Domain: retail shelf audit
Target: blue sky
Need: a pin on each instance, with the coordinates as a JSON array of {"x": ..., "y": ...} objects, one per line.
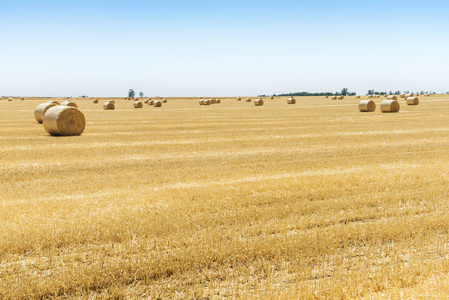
[{"x": 221, "y": 48}]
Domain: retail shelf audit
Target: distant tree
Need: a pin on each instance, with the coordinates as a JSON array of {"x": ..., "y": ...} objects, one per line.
[
  {"x": 141, "y": 94},
  {"x": 131, "y": 93},
  {"x": 370, "y": 92},
  {"x": 406, "y": 92},
  {"x": 397, "y": 92},
  {"x": 344, "y": 91}
]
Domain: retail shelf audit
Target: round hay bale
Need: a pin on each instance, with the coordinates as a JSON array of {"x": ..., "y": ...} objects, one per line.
[
  {"x": 150, "y": 102},
  {"x": 9, "y": 99},
  {"x": 357, "y": 97},
  {"x": 41, "y": 109},
  {"x": 412, "y": 101},
  {"x": 334, "y": 98},
  {"x": 157, "y": 103},
  {"x": 341, "y": 97},
  {"x": 109, "y": 106},
  {"x": 53, "y": 101},
  {"x": 206, "y": 102},
  {"x": 112, "y": 101},
  {"x": 291, "y": 100},
  {"x": 272, "y": 97},
  {"x": 69, "y": 103},
  {"x": 138, "y": 104},
  {"x": 239, "y": 99},
  {"x": 392, "y": 97},
  {"x": 327, "y": 96},
  {"x": 402, "y": 95},
  {"x": 213, "y": 101},
  {"x": 147, "y": 100},
  {"x": 258, "y": 102},
  {"x": 367, "y": 106},
  {"x": 218, "y": 101},
  {"x": 389, "y": 106},
  {"x": 164, "y": 100},
  {"x": 64, "y": 121},
  {"x": 201, "y": 101},
  {"x": 22, "y": 98},
  {"x": 248, "y": 100},
  {"x": 95, "y": 101}
]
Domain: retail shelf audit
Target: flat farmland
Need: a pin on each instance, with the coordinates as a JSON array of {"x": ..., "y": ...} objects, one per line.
[{"x": 312, "y": 200}]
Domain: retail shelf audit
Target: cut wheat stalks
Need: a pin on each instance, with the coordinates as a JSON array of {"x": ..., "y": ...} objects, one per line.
[
  {"x": 41, "y": 109},
  {"x": 389, "y": 106},
  {"x": 367, "y": 106},
  {"x": 412, "y": 101},
  {"x": 64, "y": 121}
]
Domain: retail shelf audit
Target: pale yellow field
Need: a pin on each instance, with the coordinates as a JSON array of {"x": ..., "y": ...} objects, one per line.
[{"x": 313, "y": 200}]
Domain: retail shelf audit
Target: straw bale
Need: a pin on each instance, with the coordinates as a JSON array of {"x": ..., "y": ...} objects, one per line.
[
  {"x": 138, "y": 104},
  {"x": 248, "y": 100},
  {"x": 392, "y": 97},
  {"x": 258, "y": 102},
  {"x": 157, "y": 103},
  {"x": 412, "y": 101},
  {"x": 95, "y": 101},
  {"x": 358, "y": 97},
  {"x": 164, "y": 100},
  {"x": 367, "y": 106},
  {"x": 108, "y": 105},
  {"x": 64, "y": 121},
  {"x": 389, "y": 106},
  {"x": 69, "y": 103},
  {"x": 291, "y": 100},
  {"x": 41, "y": 109},
  {"x": 206, "y": 102},
  {"x": 201, "y": 101},
  {"x": 341, "y": 97}
]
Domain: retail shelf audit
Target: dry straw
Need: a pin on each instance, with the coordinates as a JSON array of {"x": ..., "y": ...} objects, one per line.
[
  {"x": 164, "y": 100},
  {"x": 358, "y": 97},
  {"x": 157, "y": 103},
  {"x": 239, "y": 99},
  {"x": 206, "y": 102},
  {"x": 109, "y": 106},
  {"x": 150, "y": 102},
  {"x": 138, "y": 104},
  {"x": 41, "y": 109},
  {"x": 248, "y": 100},
  {"x": 22, "y": 98},
  {"x": 212, "y": 101},
  {"x": 218, "y": 101},
  {"x": 367, "y": 106},
  {"x": 258, "y": 102},
  {"x": 412, "y": 101},
  {"x": 95, "y": 101},
  {"x": 9, "y": 99},
  {"x": 53, "y": 101},
  {"x": 272, "y": 97},
  {"x": 389, "y": 106},
  {"x": 64, "y": 121},
  {"x": 392, "y": 97},
  {"x": 69, "y": 103},
  {"x": 291, "y": 100},
  {"x": 341, "y": 97},
  {"x": 327, "y": 96},
  {"x": 334, "y": 98},
  {"x": 201, "y": 101}
]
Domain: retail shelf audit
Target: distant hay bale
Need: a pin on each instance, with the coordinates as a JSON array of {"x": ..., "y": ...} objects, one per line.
[
  {"x": 291, "y": 100},
  {"x": 150, "y": 102},
  {"x": 109, "y": 106},
  {"x": 218, "y": 101},
  {"x": 408, "y": 95},
  {"x": 69, "y": 103},
  {"x": 206, "y": 102},
  {"x": 334, "y": 98},
  {"x": 95, "y": 101},
  {"x": 378, "y": 96},
  {"x": 387, "y": 106},
  {"x": 392, "y": 97},
  {"x": 367, "y": 106},
  {"x": 412, "y": 101},
  {"x": 41, "y": 109},
  {"x": 327, "y": 96},
  {"x": 341, "y": 97},
  {"x": 9, "y": 99},
  {"x": 212, "y": 101},
  {"x": 112, "y": 101},
  {"x": 64, "y": 121},
  {"x": 258, "y": 102},
  {"x": 164, "y": 100},
  {"x": 358, "y": 97},
  {"x": 147, "y": 100},
  {"x": 426, "y": 95},
  {"x": 370, "y": 96},
  {"x": 201, "y": 101},
  {"x": 138, "y": 104},
  {"x": 248, "y": 100},
  {"x": 157, "y": 103},
  {"x": 239, "y": 99},
  {"x": 272, "y": 97},
  {"x": 53, "y": 101},
  {"x": 22, "y": 98}
]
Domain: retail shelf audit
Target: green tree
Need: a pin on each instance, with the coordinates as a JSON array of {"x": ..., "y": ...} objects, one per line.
[
  {"x": 131, "y": 93},
  {"x": 141, "y": 94},
  {"x": 344, "y": 91}
]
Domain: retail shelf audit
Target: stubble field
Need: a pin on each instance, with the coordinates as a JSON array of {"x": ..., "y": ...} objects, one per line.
[{"x": 313, "y": 200}]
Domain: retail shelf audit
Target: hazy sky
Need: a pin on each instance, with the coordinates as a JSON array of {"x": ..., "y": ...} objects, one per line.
[{"x": 221, "y": 48}]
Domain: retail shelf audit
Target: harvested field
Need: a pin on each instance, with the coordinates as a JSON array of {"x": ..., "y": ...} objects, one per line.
[{"x": 305, "y": 201}]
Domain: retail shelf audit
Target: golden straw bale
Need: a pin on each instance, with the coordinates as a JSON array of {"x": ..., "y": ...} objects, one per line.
[
  {"x": 69, "y": 103},
  {"x": 412, "y": 101},
  {"x": 95, "y": 101},
  {"x": 218, "y": 101},
  {"x": 201, "y": 101},
  {"x": 239, "y": 99},
  {"x": 341, "y": 97},
  {"x": 10, "y": 99},
  {"x": 291, "y": 100},
  {"x": 248, "y": 100},
  {"x": 327, "y": 96},
  {"x": 53, "y": 101},
  {"x": 367, "y": 106},
  {"x": 358, "y": 97},
  {"x": 389, "y": 106},
  {"x": 109, "y": 105},
  {"x": 272, "y": 97},
  {"x": 392, "y": 97},
  {"x": 41, "y": 109},
  {"x": 258, "y": 102},
  {"x": 164, "y": 100},
  {"x": 157, "y": 103},
  {"x": 150, "y": 102},
  {"x": 206, "y": 102},
  {"x": 212, "y": 101},
  {"x": 334, "y": 98},
  {"x": 22, "y": 98},
  {"x": 112, "y": 101},
  {"x": 138, "y": 104},
  {"x": 64, "y": 120}
]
